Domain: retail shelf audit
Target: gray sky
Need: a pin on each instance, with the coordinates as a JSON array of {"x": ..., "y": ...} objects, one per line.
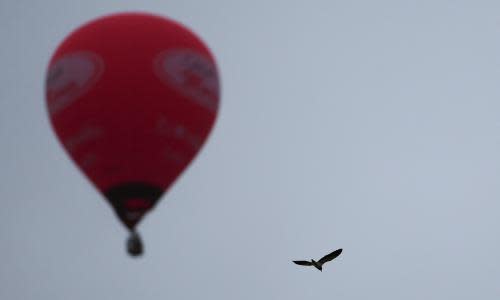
[{"x": 368, "y": 125}]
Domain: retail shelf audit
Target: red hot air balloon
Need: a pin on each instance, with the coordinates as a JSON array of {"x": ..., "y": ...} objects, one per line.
[{"x": 132, "y": 97}]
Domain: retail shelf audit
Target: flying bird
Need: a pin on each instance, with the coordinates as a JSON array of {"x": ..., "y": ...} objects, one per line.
[{"x": 319, "y": 264}]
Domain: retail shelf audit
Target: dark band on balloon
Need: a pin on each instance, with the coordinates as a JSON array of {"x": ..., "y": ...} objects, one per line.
[{"x": 142, "y": 196}]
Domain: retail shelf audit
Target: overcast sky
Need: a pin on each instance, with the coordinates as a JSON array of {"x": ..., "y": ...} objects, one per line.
[{"x": 372, "y": 126}]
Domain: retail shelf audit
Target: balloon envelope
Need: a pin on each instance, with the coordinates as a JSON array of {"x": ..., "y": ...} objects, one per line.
[{"x": 132, "y": 97}]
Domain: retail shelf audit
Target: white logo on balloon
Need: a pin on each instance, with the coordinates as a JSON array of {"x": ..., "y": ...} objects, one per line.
[
  {"x": 71, "y": 76},
  {"x": 190, "y": 73}
]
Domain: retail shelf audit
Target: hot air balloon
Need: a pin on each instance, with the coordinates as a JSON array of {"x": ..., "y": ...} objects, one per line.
[{"x": 132, "y": 97}]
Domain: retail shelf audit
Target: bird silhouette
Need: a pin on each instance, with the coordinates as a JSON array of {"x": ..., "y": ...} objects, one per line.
[{"x": 319, "y": 264}]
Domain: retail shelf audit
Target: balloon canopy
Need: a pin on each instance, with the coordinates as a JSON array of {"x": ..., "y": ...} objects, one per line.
[{"x": 132, "y": 97}]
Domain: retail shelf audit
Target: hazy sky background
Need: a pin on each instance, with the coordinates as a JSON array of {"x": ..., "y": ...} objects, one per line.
[{"x": 368, "y": 125}]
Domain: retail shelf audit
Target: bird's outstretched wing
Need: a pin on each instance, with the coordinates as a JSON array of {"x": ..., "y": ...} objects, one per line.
[
  {"x": 303, "y": 262},
  {"x": 330, "y": 256}
]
